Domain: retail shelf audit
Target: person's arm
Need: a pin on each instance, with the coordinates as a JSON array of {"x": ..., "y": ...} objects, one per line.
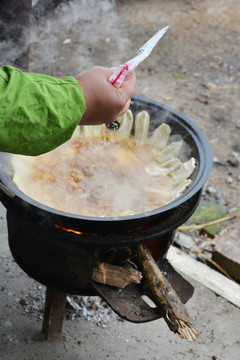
[{"x": 37, "y": 112}]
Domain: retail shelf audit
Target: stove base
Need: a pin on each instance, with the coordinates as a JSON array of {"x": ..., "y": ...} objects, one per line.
[{"x": 128, "y": 302}]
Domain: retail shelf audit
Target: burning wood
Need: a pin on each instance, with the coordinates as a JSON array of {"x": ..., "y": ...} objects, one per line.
[
  {"x": 115, "y": 275},
  {"x": 165, "y": 297}
]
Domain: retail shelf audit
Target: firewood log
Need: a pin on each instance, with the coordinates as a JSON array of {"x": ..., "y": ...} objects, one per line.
[
  {"x": 165, "y": 298},
  {"x": 113, "y": 275}
]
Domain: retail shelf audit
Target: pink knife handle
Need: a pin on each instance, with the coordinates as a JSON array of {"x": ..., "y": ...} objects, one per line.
[{"x": 118, "y": 77}]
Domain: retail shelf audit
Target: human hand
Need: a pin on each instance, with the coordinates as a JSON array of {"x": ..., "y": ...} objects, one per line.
[{"x": 105, "y": 103}]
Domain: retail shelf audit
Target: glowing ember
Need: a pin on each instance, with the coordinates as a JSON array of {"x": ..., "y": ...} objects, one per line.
[{"x": 70, "y": 230}]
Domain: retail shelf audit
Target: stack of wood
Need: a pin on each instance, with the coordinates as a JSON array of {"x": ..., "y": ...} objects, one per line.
[{"x": 158, "y": 288}]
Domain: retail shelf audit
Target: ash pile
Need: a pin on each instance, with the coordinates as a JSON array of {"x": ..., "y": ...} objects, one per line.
[{"x": 90, "y": 308}]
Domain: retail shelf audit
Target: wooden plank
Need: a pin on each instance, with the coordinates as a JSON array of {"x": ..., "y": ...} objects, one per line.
[
  {"x": 54, "y": 314},
  {"x": 227, "y": 250},
  {"x": 202, "y": 273}
]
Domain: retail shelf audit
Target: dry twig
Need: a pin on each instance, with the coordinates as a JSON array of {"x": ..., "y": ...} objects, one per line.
[{"x": 165, "y": 297}]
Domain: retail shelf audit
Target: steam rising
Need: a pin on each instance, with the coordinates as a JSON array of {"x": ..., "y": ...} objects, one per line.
[{"x": 85, "y": 32}]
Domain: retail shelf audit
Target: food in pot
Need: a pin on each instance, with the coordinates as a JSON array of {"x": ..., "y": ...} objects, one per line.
[{"x": 105, "y": 173}]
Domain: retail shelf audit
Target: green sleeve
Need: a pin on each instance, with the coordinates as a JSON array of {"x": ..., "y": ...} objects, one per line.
[{"x": 37, "y": 112}]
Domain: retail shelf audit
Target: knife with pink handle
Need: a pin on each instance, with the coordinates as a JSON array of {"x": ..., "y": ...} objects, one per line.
[{"x": 122, "y": 71}]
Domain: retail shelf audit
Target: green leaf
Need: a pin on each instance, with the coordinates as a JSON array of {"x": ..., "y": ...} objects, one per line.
[
  {"x": 208, "y": 211},
  {"x": 180, "y": 74}
]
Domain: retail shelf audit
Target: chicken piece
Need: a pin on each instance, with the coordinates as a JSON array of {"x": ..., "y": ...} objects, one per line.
[
  {"x": 142, "y": 120},
  {"x": 125, "y": 128},
  {"x": 183, "y": 172},
  {"x": 168, "y": 153},
  {"x": 160, "y": 136},
  {"x": 94, "y": 131},
  {"x": 163, "y": 169}
]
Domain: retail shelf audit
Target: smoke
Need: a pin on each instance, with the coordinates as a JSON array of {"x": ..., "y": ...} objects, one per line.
[
  {"x": 9, "y": 52},
  {"x": 68, "y": 36},
  {"x": 77, "y": 36},
  {"x": 14, "y": 32}
]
